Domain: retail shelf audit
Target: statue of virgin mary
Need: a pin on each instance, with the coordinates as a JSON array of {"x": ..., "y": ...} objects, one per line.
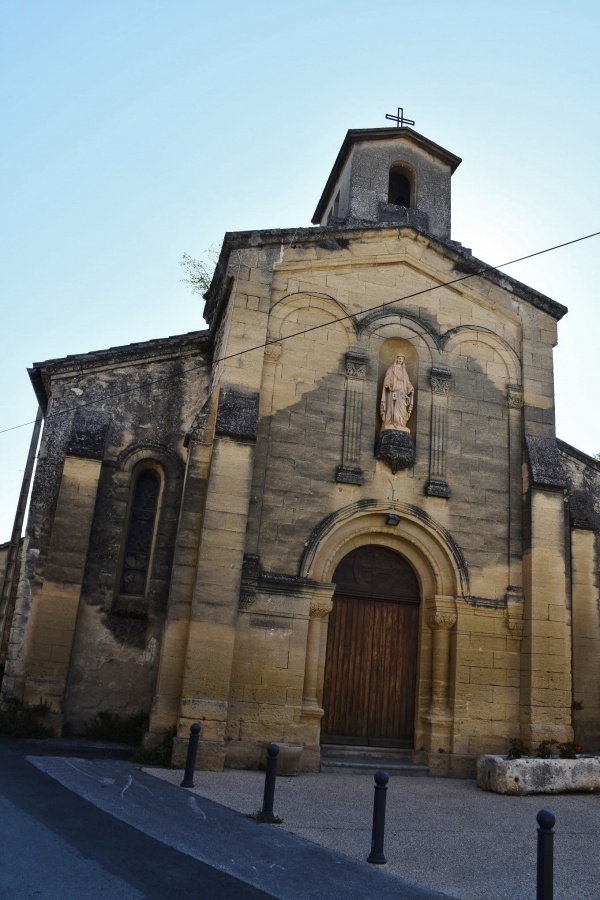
[{"x": 397, "y": 397}]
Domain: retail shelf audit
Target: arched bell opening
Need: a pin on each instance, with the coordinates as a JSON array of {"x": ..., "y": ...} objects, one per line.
[
  {"x": 401, "y": 186},
  {"x": 370, "y": 682}
]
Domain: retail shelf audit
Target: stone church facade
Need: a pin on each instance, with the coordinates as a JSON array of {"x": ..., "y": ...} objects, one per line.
[{"x": 339, "y": 515}]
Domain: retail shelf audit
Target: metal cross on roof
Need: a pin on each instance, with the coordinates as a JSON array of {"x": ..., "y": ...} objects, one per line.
[{"x": 399, "y": 119}]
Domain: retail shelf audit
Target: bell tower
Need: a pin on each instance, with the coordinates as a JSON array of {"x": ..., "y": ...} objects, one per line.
[{"x": 389, "y": 176}]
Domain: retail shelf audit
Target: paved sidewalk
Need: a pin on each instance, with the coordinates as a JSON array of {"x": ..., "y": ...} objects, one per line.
[{"x": 444, "y": 834}]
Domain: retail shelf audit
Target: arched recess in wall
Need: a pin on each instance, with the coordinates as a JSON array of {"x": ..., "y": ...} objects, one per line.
[
  {"x": 295, "y": 309},
  {"x": 314, "y": 343},
  {"x": 453, "y": 339},
  {"x": 485, "y": 440},
  {"x": 435, "y": 558},
  {"x": 150, "y": 480}
]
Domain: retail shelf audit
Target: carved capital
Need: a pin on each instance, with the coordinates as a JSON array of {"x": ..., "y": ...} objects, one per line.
[
  {"x": 514, "y": 396},
  {"x": 441, "y": 621},
  {"x": 320, "y": 608},
  {"x": 440, "y": 381},
  {"x": 441, "y": 613},
  {"x": 356, "y": 365},
  {"x": 272, "y": 352}
]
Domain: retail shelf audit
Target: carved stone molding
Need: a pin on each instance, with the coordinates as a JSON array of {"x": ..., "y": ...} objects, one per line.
[
  {"x": 348, "y": 475},
  {"x": 396, "y": 449},
  {"x": 514, "y": 396},
  {"x": 437, "y": 488}
]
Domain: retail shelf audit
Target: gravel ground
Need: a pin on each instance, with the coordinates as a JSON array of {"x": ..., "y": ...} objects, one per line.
[{"x": 445, "y": 834}]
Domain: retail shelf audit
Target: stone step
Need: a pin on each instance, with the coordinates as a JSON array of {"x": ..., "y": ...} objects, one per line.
[
  {"x": 343, "y": 766},
  {"x": 351, "y": 751}
]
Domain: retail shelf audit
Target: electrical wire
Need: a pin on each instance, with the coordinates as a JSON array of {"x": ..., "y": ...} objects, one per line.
[{"x": 481, "y": 270}]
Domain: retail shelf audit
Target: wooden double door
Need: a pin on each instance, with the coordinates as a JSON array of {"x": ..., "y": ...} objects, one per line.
[{"x": 371, "y": 662}]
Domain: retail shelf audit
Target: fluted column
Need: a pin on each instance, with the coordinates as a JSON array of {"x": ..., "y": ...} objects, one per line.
[
  {"x": 356, "y": 369},
  {"x": 437, "y": 485}
]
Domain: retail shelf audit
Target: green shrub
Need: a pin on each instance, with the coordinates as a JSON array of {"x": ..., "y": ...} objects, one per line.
[
  {"x": 159, "y": 755},
  {"x": 20, "y": 720},
  {"x": 518, "y": 748},
  {"x": 545, "y": 749}
]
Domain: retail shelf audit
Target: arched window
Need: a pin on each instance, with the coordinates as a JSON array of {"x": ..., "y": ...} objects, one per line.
[
  {"x": 400, "y": 186},
  {"x": 139, "y": 540}
]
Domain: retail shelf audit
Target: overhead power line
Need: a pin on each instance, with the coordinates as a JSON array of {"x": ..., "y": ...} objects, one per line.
[{"x": 480, "y": 270}]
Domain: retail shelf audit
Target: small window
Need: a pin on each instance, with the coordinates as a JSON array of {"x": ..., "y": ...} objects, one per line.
[{"x": 399, "y": 190}]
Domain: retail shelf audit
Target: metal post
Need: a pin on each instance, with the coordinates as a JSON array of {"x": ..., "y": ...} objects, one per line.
[
  {"x": 190, "y": 762},
  {"x": 545, "y": 855},
  {"x": 376, "y": 855},
  {"x": 269, "y": 794}
]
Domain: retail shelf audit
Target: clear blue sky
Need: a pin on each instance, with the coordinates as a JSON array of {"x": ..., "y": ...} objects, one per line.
[{"x": 136, "y": 131}]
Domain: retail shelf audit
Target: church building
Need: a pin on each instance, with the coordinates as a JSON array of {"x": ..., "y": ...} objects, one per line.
[{"x": 338, "y": 517}]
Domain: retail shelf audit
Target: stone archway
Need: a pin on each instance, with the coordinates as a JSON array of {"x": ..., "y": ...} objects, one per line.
[
  {"x": 371, "y": 663},
  {"x": 442, "y": 575}
]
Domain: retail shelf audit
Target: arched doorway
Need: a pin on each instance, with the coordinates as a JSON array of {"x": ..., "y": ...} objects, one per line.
[{"x": 371, "y": 661}]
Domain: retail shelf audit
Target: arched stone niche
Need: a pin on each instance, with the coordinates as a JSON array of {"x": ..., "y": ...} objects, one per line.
[{"x": 397, "y": 448}]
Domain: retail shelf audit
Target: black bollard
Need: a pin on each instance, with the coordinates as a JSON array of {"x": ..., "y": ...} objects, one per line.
[
  {"x": 190, "y": 762},
  {"x": 545, "y": 855},
  {"x": 376, "y": 855},
  {"x": 269, "y": 794}
]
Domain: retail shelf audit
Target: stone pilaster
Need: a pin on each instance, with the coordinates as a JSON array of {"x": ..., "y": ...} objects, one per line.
[
  {"x": 437, "y": 485},
  {"x": 214, "y": 608},
  {"x": 356, "y": 369},
  {"x": 545, "y": 649},
  {"x": 514, "y": 402}
]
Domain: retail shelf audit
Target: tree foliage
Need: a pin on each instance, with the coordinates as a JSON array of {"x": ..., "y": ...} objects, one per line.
[{"x": 199, "y": 272}]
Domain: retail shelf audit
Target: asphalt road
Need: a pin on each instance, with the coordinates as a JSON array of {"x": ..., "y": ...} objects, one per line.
[{"x": 55, "y": 844}]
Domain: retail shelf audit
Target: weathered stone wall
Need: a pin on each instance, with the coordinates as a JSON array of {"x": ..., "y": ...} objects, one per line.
[{"x": 102, "y": 657}]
